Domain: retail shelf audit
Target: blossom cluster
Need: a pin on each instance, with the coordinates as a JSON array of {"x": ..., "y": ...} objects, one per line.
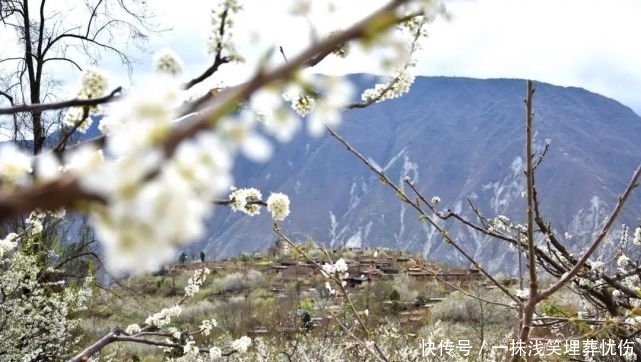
[
  {"x": 221, "y": 34},
  {"x": 338, "y": 269},
  {"x": 195, "y": 282},
  {"x": 331, "y": 95},
  {"x": 241, "y": 344},
  {"x": 163, "y": 317},
  {"x": 398, "y": 85},
  {"x": 249, "y": 201},
  {"x": 207, "y": 325},
  {"x": 93, "y": 84},
  {"x": 278, "y": 205},
  {"x": 38, "y": 317},
  {"x": 246, "y": 200},
  {"x": 168, "y": 62},
  {"x": 15, "y": 165},
  {"x": 8, "y": 243}
]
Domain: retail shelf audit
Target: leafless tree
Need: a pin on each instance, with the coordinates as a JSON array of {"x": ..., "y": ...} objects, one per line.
[{"x": 50, "y": 34}]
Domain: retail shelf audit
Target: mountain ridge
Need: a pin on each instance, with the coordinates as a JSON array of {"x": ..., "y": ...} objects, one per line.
[{"x": 456, "y": 137}]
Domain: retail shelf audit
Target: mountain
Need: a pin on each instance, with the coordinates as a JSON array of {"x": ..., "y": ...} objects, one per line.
[{"x": 457, "y": 138}]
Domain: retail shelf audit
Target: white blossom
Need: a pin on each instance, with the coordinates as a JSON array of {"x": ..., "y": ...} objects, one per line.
[
  {"x": 335, "y": 93},
  {"x": 222, "y": 41},
  {"x": 143, "y": 118},
  {"x": 15, "y": 165},
  {"x": 282, "y": 123},
  {"x": 522, "y": 293},
  {"x": 244, "y": 200},
  {"x": 301, "y": 102},
  {"x": 175, "y": 332},
  {"x": 34, "y": 222},
  {"x": 207, "y": 325},
  {"x": 163, "y": 317},
  {"x": 215, "y": 353},
  {"x": 93, "y": 84},
  {"x": 623, "y": 260},
  {"x": 329, "y": 288},
  {"x": 637, "y": 236},
  {"x": 168, "y": 62},
  {"x": 196, "y": 281},
  {"x": 133, "y": 329},
  {"x": 204, "y": 163},
  {"x": 240, "y": 133},
  {"x": 398, "y": 85},
  {"x": 338, "y": 269},
  {"x": 190, "y": 348},
  {"x": 48, "y": 168},
  {"x": 242, "y": 344},
  {"x": 8, "y": 243},
  {"x": 340, "y": 266},
  {"x": 597, "y": 266},
  {"x": 278, "y": 205}
]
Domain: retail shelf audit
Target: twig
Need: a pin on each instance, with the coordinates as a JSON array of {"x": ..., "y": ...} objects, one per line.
[
  {"x": 401, "y": 194},
  {"x": 634, "y": 182}
]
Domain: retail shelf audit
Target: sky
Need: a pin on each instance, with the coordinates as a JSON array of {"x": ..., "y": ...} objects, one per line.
[
  {"x": 591, "y": 44},
  {"x": 584, "y": 43}
]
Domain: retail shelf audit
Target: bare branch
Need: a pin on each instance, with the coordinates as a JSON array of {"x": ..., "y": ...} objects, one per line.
[
  {"x": 423, "y": 215},
  {"x": 7, "y": 96},
  {"x": 63, "y": 59},
  {"x": 634, "y": 182},
  {"x": 118, "y": 335},
  {"x": 77, "y": 102}
]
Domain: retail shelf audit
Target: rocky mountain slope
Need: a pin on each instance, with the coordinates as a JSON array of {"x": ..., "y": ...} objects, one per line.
[{"x": 458, "y": 138}]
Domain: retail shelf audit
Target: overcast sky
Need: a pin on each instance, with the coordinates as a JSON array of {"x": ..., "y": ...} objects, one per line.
[{"x": 591, "y": 44}]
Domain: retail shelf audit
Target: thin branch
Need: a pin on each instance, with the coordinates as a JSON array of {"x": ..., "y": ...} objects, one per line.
[
  {"x": 77, "y": 102},
  {"x": 64, "y": 60},
  {"x": 9, "y": 59},
  {"x": 118, "y": 335},
  {"x": 8, "y": 96},
  {"x": 218, "y": 60},
  {"x": 634, "y": 182},
  {"x": 401, "y": 194}
]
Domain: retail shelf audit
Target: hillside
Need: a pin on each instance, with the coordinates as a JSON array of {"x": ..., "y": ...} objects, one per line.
[{"x": 457, "y": 138}]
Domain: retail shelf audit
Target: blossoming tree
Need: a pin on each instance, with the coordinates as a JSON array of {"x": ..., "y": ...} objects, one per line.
[{"x": 165, "y": 157}]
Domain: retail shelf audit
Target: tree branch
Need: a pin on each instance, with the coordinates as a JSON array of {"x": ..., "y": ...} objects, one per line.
[
  {"x": 634, "y": 182},
  {"x": 77, "y": 102},
  {"x": 218, "y": 60}
]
